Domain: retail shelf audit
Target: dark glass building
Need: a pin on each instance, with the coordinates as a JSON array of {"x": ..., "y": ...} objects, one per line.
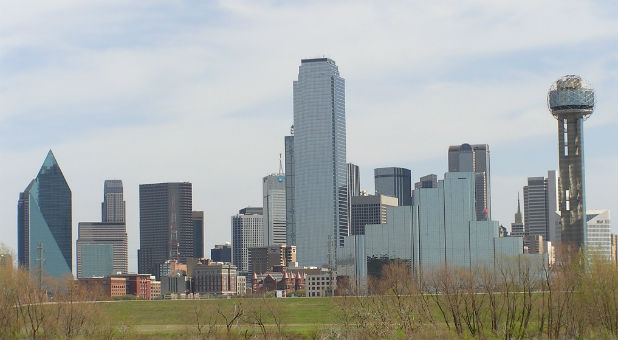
[
  {"x": 44, "y": 222},
  {"x": 198, "y": 234},
  {"x": 221, "y": 253},
  {"x": 394, "y": 182},
  {"x": 166, "y": 225}
]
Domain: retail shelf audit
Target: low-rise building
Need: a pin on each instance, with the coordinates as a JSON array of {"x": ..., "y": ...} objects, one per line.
[
  {"x": 155, "y": 288},
  {"x": 263, "y": 259},
  {"x": 323, "y": 284},
  {"x": 214, "y": 278},
  {"x": 241, "y": 285}
]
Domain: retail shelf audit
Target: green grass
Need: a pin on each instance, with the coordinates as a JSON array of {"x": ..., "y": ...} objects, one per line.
[{"x": 298, "y": 311}]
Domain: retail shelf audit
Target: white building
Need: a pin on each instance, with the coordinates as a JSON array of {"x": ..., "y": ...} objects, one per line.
[
  {"x": 598, "y": 240},
  {"x": 247, "y": 232},
  {"x": 274, "y": 209},
  {"x": 321, "y": 284}
]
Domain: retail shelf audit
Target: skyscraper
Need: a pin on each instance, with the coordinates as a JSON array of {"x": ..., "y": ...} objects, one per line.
[
  {"x": 166, "y": 225},
  {"x": 571, "y": 100},
  {"x": 198, "y": 234},
  {"x": 44, "y": 222},
  {"x": 247, "y": 232},
  {"x": 221, "y": 253},
  {"x": 321, "y": 198},
  {"x": 540, "y": 205},
  {"x": 599, "y": 241},
  {"x": 370, "y": 209},
  {"x": 353, "y": 189},
  {"x": 394, "y": 182},
  {"x": 113, "y": 206},
  {"x": 290, "y": 225},
  {"x": 474, "y": 158},
  {"x": 101, "y": 249},
  {"x": 274, "y": 209}
]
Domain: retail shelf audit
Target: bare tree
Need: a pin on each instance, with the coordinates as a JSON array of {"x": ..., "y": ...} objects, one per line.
[{"x": 230, "y": 314}]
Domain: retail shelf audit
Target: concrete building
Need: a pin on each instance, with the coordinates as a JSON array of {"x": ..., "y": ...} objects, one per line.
[
  {"x": 155, "y": 288},
  {"x": 289, "y": 189},
  {"x": 241, "y": 285},
  {"x": 599, "y": 240},
  {"x": 273, "y": 194},
  {"x": 44, "y": 223},
  {"x": 101, "y": 249},
  {"x": 614, "y": 248},
  {"x": 221, "y": 253},
  {"x": 247, "y": 232},
  {"x": 428, "y": 181},
  {"x": 571, "y": 101},
  {"x": 322, "y": 284},
  {"x": 166, "y": 225},
  {"x": 394, "y": 182},
  {"x": 175, "y": 283},
  {"x": 214, "y": 278},
  {"x": 263, "y": 259},
  {"x": 198, "y": 233},
  {"x": 113, "y": 206},
  {"x": 370, "y": 209},
  {"x": 320, "y": 194},
  {"x": 474, "y": 158}
]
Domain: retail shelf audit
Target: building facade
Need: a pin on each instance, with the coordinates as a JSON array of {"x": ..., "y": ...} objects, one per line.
[
  {"x": 394, "y": 182},
  {"x": 113, "y": 206},
  {"x": 540, "y": 204},
  {"x": 370, "y": 209},
  {"x": 166, "y": 225},
  {"x": 44, "y": 219},
  {"x": 474, "y": 158},
  {"x": 102, "y": 249},
  {"x": 214, "y": 278},
  {"x": 321, "y": 199},
  {"x": 263, "y": 259},
  {"x": 599, "y": 241},
  {"x": 221, "y": 253},
  {"x": 290, "y": 225},
  {"x": 247, "y": 232},
  {"x": 198, "y": 233},
  {"x": 273, "y": 194}
]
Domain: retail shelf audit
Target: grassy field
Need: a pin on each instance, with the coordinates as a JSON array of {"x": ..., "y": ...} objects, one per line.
[{"x": 176, "y": 318}]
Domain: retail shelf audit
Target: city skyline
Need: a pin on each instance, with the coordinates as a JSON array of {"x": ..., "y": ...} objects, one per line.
[{"x": 415, "y": 89}]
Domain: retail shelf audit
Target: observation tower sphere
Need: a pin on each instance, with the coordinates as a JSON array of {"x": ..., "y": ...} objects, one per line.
[{"x": 571, "y": 101}]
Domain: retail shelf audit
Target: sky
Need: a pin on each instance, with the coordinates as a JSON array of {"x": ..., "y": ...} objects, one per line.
[{"x": 201, "y": 91}]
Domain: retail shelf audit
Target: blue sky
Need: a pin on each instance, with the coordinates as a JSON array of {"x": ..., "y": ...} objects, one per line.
[{"x": 201, "y": 91}]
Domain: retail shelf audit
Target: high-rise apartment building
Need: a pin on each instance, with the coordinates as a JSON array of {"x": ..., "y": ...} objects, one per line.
[
  {"x": 474, "y": 158},
  {"x": 44, "y": 218},
  {"x": 101, "y": 249},
  {"x": 221, "y": 253},
  {"x": 321, "y": 197},
  {"x": 540, "y": 206},
  {"x": 166, "y": 225},
  {"x": 571, "y": 101},
  {"x": 247, "y": 232},
  {"x": 394, "y": 182},
  {"x": 370, "y": 209},
  {"x": 599, "y": 241},
  {"x": 290, "y": 225},
  {"x": 113, "y": 206},
  {"x": 273, "y": 195},
  {"x": 198, "y": 234}
]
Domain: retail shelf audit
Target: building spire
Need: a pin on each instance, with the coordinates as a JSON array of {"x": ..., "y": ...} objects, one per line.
[{"x": 518, "y": 218}]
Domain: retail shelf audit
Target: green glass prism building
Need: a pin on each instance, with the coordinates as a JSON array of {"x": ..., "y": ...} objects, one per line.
[{"x": 44, "y": 222}]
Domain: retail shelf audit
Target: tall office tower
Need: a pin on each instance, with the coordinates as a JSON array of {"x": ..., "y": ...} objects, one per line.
[
  {"x": 428, "y": 181},
  {"x": 290, "y": 225},
  {"x": 321, "y": 196},
  {"x": 198, "y": 234},
  {"x": 599, "y": 236},
  {"x": 570, "y": 101},
  {"x": 353, "y": 189},
  {"x": 517, "y": 228},
  {"x": 165, "y": 225},
  {"x": 221, "y": 253},
  {"x": 247, "y": 232},
  {"x": 394, "y": 182},
  {"x": 474, "y": 158},
  {"x": 370, "y": 209},
  {"x": 274, "y": 208},
  {"x": 113, "y": 206},
  {"x": 101, "y": 249},
  {"x": 44, "y": 222}
]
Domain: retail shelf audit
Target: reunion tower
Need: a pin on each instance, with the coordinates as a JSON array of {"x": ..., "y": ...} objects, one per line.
[{"x": 571, "y": 101}]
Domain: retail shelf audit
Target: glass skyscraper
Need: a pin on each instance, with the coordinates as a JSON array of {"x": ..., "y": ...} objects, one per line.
[
  {"x": 113, "y": 206},
  {"x": 44, "y": 222},
  {"x": 321, "y": 195},
  {"x": 394, "y": 182},
  {"x": 274, "y": 209}
]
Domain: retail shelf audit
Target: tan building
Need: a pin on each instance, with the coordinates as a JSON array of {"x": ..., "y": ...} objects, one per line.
[
  {"x": 214, "y": 278},
  {"x": 614, "y": 240},
  {"x": 369, "y": 209},
  {"x": 321, "y": 284},
  {"x": 263, "y": 259},
  {"x": 155, "y": 288},
  {"x": 241, "y": 285}
]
